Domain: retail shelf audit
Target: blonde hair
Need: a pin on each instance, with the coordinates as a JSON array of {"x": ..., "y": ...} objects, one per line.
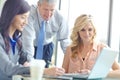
[{"x": 79, "y": 24}]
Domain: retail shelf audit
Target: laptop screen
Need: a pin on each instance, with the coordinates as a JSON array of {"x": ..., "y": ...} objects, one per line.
[{"x": 103, "y": 63}]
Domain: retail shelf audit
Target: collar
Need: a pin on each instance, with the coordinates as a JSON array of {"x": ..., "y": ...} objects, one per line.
[{"x": 40, "y": 17}]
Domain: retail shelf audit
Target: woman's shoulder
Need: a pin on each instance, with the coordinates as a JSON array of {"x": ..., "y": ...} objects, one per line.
[
  {"x": 102, "y": 44},
  {"x": 68, "y": 49},
  {"x": 98, "y": 45}
]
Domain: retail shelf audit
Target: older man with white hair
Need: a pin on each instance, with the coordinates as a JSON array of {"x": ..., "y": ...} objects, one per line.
[{"x": 40, "y": 45}]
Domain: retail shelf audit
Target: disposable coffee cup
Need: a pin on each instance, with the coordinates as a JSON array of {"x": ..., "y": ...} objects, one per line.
[
  {"x": 16, "y": 77},
  {"x": 36, "y": 69}
]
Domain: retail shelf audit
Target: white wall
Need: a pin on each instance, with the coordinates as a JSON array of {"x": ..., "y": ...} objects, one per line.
[{"x": 115, "y": 37}]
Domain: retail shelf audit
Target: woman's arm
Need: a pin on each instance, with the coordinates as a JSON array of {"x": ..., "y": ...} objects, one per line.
[{"x": 115, "y": 72}]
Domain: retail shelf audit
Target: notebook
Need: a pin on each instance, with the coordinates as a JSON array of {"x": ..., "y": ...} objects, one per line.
[{"x": 102, "y": 65}]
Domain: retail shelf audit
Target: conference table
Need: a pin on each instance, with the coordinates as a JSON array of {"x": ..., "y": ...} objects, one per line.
[{"x": 19, "y": 77}]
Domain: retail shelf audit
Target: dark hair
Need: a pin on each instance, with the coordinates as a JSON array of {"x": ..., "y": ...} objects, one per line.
[{"x": 10, "y": 9}]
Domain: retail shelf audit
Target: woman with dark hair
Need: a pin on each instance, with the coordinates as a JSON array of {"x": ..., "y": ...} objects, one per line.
[{"x": 13, "y": 59}]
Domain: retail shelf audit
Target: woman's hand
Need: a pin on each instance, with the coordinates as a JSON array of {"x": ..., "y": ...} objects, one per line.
[
  {"x": 84, "y": 71},
  {"x": 54, "y": 71},
  {"x": 114, "y": 74}
]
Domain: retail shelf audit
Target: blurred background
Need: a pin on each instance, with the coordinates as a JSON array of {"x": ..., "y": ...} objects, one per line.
[{"x": 106, "y": 15}]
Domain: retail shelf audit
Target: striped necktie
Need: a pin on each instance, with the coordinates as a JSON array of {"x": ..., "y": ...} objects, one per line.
[{"x": 39, "y": 54}]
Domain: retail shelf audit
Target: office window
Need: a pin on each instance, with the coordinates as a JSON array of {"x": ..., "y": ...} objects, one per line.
[{"x": 115, "y": 32}]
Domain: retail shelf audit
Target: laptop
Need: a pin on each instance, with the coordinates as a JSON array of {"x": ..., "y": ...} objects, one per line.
[{"x": 101, "y": 68}]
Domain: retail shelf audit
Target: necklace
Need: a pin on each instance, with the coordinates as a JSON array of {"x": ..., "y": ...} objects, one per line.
[
  {"x": 84, "y": 53},
  {"x": 83, "y": 59}
]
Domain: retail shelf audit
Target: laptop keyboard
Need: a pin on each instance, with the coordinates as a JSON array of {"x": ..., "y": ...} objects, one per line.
[{"x": 79, "y": 75}]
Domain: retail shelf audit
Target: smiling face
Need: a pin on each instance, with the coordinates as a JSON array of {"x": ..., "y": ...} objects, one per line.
[
  {"x": 87, "y": 33},
  {"x": 19, "y": 21},
  {"x": 46, "y": 9},
  {"x": 84, "y": 30}
]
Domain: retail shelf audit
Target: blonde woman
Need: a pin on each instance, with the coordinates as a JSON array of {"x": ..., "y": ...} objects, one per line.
[{"x": 82, "y": 53}]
